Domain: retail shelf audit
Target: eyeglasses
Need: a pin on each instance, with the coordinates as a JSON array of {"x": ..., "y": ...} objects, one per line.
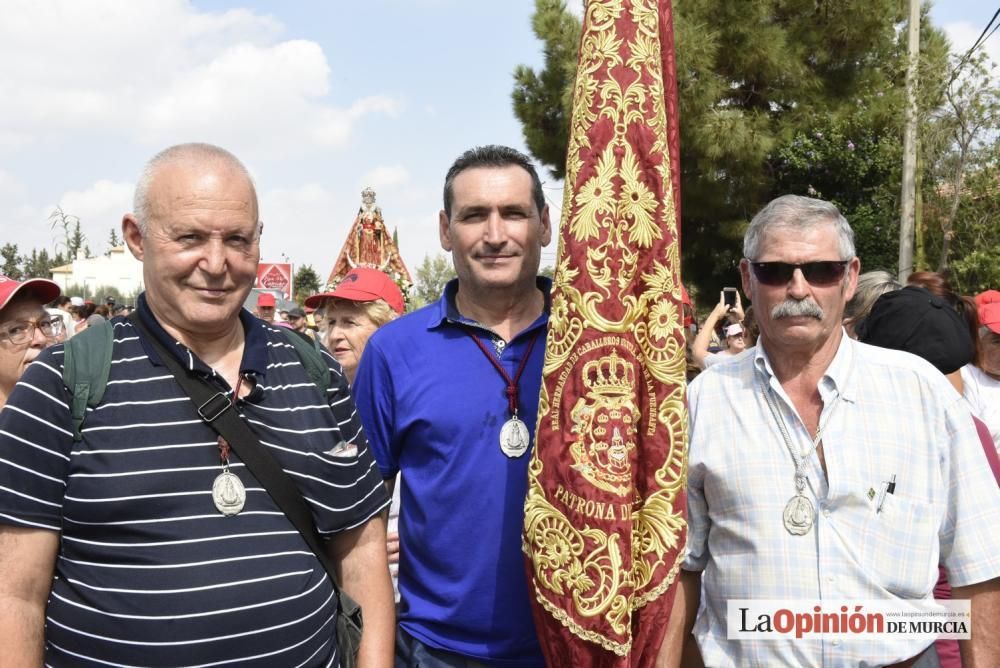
[
  {"x": 22, "y": 332},
  {"x": 821, "y": 272}
]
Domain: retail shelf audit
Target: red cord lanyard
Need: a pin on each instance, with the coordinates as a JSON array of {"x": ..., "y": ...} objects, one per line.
[
  {"x": 223, "y": 443},
  {"x": 511, "y": 382}
]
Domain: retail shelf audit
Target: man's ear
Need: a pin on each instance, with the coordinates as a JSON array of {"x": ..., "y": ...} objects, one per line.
[
  {"x": 443, "y": 231},
  {"x": 546, "y": 236},
  {"x": 133, "y": 236},
  {"x": 745, "y": 277},
  {"x": 851, "y": 284}
]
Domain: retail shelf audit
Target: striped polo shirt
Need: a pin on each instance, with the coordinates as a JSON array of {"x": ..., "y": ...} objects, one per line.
[{"x": 149, "y": 572}]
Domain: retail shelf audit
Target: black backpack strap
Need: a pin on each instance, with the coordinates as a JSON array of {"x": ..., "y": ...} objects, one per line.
[{"x": 86, "y": 367}]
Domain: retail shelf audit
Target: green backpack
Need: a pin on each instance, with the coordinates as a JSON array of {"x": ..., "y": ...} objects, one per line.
[{"x": 87, "y": 365}]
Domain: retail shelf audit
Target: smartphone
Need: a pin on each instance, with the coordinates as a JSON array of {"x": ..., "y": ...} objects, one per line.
[{"x": 729, "y": 296}]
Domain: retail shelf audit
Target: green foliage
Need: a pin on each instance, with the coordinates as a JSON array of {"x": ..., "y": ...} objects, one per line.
[
  {"x": 975, "y": 240},
  {"x": 962, "y": 179},
  {"x": 113, "y": 241},
  {"x": 38, "y": 264},
  {"x": 855, "y": 164},
  {"x": 756, "y": 81},
  {"x": 69, "y": 235},
  {"x": 98, "y": 293},
  {"x": 542, "y": 100},
  {"x": 11, "y": 262},
  {"x": 432, "y": 275},
  {"x": 305, "y": 283}
]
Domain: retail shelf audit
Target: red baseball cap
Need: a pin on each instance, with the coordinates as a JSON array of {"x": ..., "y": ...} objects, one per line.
[
  {"x": 989, "y": 309},
  {"x": 44, "y": 289},
  {"x": 265, "y": 299},
  {"x": 363, "y": 285}
]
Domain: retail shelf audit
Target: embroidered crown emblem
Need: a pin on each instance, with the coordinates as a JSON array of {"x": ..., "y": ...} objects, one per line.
[{"x": 609, "y": 376}]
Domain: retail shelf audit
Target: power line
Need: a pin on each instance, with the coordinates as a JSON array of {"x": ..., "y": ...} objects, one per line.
[{"x": 978, "y": 43}]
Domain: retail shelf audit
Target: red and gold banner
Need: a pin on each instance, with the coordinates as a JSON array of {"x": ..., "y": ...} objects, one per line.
[{"x": 605, "y": 515}]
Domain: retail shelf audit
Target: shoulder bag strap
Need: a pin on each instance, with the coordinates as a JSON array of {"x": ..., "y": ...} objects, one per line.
[{"x": 215, "y": 408}]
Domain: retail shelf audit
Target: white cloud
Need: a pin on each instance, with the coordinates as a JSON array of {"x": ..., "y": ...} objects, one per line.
[
  {"x": 10, "y": 186},
  {"x": 385, "y": 176},
  {"x": 304, "y": 223},
  {"x": 963, "y": 34},
  {"x": 162, "y": 72},
  {"x": 104, "y": 203},
  {"x": 99, "y": 207}
]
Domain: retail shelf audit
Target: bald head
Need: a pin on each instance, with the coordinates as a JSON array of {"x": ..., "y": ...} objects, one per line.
[{"x": 178, "y": 156}]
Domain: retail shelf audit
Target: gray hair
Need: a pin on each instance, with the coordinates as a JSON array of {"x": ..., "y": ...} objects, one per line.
[
  {"x": 492, "y": 155},
  {"x": 795, "y": 211},
  {"x": 871, "y": 286},
  {"x": 192, "y": 152},
  {"x": 376, "y": 310}
]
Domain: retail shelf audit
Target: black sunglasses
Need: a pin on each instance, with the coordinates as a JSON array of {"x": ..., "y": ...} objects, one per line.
[{"x": 821, "y": 272}]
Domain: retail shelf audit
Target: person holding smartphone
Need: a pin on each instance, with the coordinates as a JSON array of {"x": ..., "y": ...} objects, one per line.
[{"x": 730, "y": 309}]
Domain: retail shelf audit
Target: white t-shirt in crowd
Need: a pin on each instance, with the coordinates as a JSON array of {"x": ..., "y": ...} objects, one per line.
[{"x": 982, "y": 392}]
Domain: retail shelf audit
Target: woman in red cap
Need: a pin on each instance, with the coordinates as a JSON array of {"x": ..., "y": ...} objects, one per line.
[
  {"x": 361, "y": 303},
  {"x": 26, "y": 328}
]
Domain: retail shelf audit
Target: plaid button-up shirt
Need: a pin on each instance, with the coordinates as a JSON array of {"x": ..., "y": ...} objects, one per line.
[{"x": 897, "y": 416}]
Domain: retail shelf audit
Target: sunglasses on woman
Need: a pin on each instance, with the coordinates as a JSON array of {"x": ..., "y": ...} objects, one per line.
[{"x": 821, "y": 272}]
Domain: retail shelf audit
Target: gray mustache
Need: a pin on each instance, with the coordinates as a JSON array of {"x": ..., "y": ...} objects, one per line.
[{"x": 791, "y": 308}]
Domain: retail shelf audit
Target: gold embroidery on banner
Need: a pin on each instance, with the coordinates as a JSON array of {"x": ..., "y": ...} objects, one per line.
[
  {"x": 620, "y": 204},
  {"x": 604, "y": 422}
]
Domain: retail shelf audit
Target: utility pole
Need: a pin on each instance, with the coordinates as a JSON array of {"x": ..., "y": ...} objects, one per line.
[{"x": 906, "y": 223}]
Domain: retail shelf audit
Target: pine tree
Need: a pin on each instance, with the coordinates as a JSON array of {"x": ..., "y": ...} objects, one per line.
[
  {"x": 755, "y": 80},
  {"x": 305, "y": 283},
  {"x": 113, "y": 242},
  {"x": 38, "y": 264},
  {"x": 542, "y": 99},
  {"x": 11, "y": 262}
]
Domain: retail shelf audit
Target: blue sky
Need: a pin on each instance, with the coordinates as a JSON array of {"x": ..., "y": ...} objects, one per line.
[{"x": 319, "y": 99}]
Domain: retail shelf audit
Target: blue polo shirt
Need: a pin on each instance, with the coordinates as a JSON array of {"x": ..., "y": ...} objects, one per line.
[
  {"x": 432, "y": 406},
  {"x": 149, "y": 572}
]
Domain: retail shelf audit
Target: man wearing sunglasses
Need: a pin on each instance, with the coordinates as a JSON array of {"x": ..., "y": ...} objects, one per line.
[
  {"x": 825, "y": 470},
  {"x": 26, "y": 328}
]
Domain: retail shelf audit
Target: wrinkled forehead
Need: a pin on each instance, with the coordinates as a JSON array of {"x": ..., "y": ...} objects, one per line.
[
  {"x": 335, "y": 307},
  {"x": 475, "y": 186},
  {"x": 22, "y": 307},
  {"x": 187, "y": 186},
  {"x": 798, "y": 243}
]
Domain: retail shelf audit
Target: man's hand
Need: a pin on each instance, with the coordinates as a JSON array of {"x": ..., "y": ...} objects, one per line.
[
  {"x": 392, "y": 546},
  {"x": 359, "y": 558},
  {"x": 27, "y": 561}
]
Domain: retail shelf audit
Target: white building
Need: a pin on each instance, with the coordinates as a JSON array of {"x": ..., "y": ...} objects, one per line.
[{"x": 118, "y": 269}]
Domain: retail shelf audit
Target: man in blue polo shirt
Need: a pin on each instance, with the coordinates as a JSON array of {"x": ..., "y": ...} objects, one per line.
[
  {"x": 115, "y": 549},
  {"x": 448, "y": 397}
]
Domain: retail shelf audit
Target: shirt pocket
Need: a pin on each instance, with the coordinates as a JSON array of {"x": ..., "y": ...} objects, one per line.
[{"x": 900, "y": 546}]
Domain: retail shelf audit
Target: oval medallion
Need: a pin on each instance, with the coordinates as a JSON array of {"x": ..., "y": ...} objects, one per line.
[
  {"x": 799, "y": 515},
  {"x": 229, "y": 494},
  {"x": 514, "y": 437}
]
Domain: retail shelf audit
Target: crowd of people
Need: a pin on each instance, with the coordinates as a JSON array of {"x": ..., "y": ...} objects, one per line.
[{"x": 843, "y": 444}]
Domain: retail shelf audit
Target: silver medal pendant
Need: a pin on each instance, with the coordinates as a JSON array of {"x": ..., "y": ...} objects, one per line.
[
  {"x": 228, "y": 493},
  {"x": 799, "y": 515},
  {"x": 514, "y": 437}
]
